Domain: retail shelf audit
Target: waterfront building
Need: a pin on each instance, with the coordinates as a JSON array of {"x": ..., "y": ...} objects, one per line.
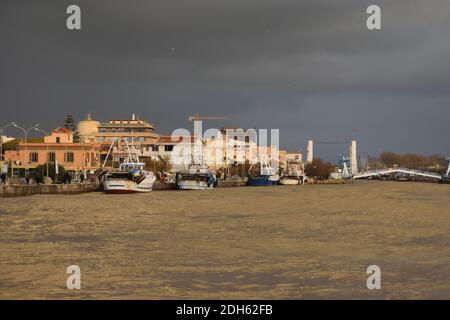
[
  {"x": 218, "y": 152},
  {"x": 235, "y": 146},
  {"x": 139, "y": 133},
  {"x": 177, "y": 151},
  {"x": 58, "y": 146}
]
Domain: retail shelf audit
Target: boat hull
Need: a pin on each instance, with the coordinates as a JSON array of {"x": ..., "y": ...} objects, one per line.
[
  {"x": 261, "y": 182},
  {"x": 121, "y": 186},
  {"x": 289, "y": 182},
  {"x": 123, "y": 191},
  {"x": 193, "y": 185}
]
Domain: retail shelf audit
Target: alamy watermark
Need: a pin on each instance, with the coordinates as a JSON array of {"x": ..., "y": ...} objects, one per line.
[
  {"x": 73, "y": 21},
  {"x": 373, "y": 22},
  {"x": 74, "y": 280},
  {"x": 374, "y": 280},
  {"x": 220, "y": 147}
]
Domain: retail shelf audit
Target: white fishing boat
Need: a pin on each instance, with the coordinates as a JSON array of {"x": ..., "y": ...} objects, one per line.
[
  {"x": 131, "y": 177},
  {"x": 197, "y": 177},
  {"x": 293, "y": 174}
]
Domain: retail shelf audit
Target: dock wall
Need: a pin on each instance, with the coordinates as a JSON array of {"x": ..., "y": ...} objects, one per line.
[{"x": 28, "y": 190}]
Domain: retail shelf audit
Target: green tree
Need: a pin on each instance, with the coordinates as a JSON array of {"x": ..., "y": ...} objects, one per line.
[
  {"x": 41, "y": 171},
  {"x": 69, "y": 123}
]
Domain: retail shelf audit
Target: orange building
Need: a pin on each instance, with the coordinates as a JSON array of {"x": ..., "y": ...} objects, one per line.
[{"x": 58, "y": 146}]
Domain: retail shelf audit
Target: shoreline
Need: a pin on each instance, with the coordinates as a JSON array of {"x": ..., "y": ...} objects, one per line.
[{"x": 16, "y": 190}]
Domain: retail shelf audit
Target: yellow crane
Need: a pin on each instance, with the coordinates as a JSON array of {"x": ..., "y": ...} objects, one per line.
[{"x": 198, "y": 117}]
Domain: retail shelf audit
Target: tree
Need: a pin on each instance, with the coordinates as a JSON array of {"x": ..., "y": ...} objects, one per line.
[
  {"x": 41, "y": 171},
  {"x": 409, "y": 160},
  {"x": 69, "y": 123},
  {"x": 319, "y": 168}
]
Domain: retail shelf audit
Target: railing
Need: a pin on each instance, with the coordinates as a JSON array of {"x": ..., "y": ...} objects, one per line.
[{"x": 397, "y": 170}]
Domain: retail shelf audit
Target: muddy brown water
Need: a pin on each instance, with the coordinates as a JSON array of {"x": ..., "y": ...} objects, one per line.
[{"x": 312, "y": 241}]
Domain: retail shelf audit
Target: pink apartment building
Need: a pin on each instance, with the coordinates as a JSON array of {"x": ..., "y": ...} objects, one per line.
[{"x": 58, "y": 146}]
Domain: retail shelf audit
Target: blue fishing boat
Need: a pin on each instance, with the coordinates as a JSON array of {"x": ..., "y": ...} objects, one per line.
[{"x": 265, "y": 176}]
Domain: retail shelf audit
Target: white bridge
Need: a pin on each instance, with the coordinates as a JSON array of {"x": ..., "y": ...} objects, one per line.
[{"x": 411, "y": 172}]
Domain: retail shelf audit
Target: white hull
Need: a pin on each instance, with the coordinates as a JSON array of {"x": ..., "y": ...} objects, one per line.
[
  {"x": 193, "y": 185},
  {"x": 128, "y": 186},
  {"x": 289, "y": 182},
  {"x": 274, "y": 178}
]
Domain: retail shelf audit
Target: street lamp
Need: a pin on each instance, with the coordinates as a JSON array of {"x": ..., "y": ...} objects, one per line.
[
  {"x": 1, "y": 138},
  {"x": 81, "y": 137},
  {"x": 46, "y": 147},
  {"x": 25, "y": 131}
]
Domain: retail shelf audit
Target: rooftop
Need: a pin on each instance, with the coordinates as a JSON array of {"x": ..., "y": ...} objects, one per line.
[
  {"x": 174, "y": 139},
  {"x": 62, "y": 130}
]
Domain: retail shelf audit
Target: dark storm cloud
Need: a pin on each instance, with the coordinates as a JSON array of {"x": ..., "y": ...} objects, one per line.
[{"x": 310, "y": 68}]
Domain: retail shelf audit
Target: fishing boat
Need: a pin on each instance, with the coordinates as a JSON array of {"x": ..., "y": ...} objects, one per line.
[
  {"x": 131, "y": 177},
  {"x": 197, "y": 178},
  {"x": 265, "y": 176},
  {"x": 293, "y": 174}
]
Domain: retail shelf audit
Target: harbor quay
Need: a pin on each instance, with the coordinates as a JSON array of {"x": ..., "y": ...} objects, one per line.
[
  {"x": 93, "y": 148},
  {"x": 28, "y": 190}
]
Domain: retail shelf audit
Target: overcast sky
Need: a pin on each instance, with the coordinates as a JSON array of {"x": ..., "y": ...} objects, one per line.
[{"x": 308, "y": 67}]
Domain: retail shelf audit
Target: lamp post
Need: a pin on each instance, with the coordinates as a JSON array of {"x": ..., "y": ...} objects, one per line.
[
  {"x": 1, "y": 138},
  {"x": 46, "y": 147},
  {"x": 81, "y": 137},
  {"x": 25, "y": 131}
]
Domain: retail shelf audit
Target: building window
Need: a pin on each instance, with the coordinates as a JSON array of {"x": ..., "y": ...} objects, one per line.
[
  {"x": 34, "y": 157},
  {"x": 58, "y": 140},
  {"x": 168, "y": 147},
  {"x": 51, "y": 157},
  {"x": 68, "y": 157}
]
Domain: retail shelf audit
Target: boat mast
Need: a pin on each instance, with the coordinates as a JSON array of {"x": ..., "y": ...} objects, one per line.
[
  {"x": 109, "y": 151},
  {"x": 130, "y": 157}
]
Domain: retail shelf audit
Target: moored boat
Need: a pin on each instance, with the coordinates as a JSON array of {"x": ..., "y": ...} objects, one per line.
[
  {"x": 293, "y": 174},
  {"x": 265, "y": 176},
  {"x": 198, "y": 178},
  {"x": 131, "y": 177}
]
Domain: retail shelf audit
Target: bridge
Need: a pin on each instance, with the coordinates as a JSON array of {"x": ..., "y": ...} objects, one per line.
[{"x": 411, "y": 172}]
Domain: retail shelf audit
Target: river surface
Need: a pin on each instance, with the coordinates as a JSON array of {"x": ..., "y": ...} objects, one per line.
[{"x": 284, "y": 242}]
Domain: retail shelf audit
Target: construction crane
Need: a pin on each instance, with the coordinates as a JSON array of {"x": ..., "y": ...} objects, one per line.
[{"x": 198, "y": 117}]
